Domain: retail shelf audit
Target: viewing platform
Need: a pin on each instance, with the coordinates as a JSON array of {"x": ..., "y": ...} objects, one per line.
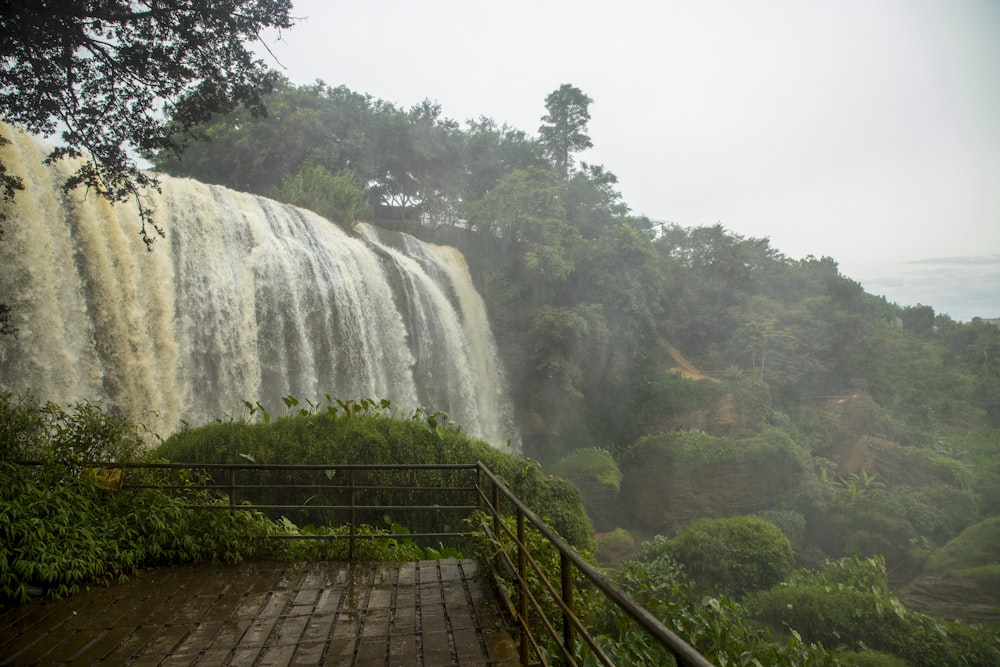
[
  {"x": 352, "y": 611},
  {"x": 429, "y": 613}
]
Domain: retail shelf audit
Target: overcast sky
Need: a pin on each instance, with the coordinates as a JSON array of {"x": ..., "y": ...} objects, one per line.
[{"x": 865, "y": 130}]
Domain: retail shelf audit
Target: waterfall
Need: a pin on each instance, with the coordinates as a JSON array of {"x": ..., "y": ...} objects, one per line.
[{"x": 246, "y": 299}]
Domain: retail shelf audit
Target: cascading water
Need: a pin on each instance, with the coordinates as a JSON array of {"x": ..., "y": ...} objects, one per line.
[{"x": 247, "y": 299}]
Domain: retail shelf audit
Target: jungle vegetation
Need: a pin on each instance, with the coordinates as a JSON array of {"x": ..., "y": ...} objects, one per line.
[
  {"x": 638, "y": 351},
  {"x": 647, "y": 357}
]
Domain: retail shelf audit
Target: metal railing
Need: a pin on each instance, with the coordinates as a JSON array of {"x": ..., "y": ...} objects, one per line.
[
  {"x": 567, "y": 632},
  {"x": 543, "y": 612},
  {"x": 348, "y": 495}
]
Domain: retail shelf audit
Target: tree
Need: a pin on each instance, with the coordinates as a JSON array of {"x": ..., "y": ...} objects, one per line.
[
  {"x": 103, "y": 74},
  {"x": 337, "y": 196},
  {"x": 493, "y": 151},
  {"x": 919, "y": 319},
  {"x": 564, "y": 128},
  {"x": 592, "y": 202},
  {"x": 734, "y": 555}
]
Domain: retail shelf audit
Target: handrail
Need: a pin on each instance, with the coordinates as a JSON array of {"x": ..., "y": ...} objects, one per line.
[
  {"x": 570, "y": 558},
  {"x": 485, "y": 492},
  {"x": 350, "y": 491}
]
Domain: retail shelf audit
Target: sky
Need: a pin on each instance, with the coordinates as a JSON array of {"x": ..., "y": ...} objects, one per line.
[{"x": 863, "y": 130}]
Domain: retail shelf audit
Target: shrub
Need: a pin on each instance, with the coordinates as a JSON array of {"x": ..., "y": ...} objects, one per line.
[
  {"x": 735, "y": 555},
  {"x": 716, "y": 626},
  {"x": 672, "y": 476},
  {"x": 876, "y": 659},
  {"x": 47, "y": 432},
  {"x": 976, "y": 546},
  {"x": 971, "y": 555},
  {"x": 791, "y": 523},
  {"x": 591, "y": 466},
  {"x": 339, "y": 196},
  {"x": 848, "y": 603},
  {"x": 372, "y": 435},
  {"x": 61, "y": 531}
]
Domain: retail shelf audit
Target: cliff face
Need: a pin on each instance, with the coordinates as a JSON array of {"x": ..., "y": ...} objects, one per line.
[
  {"x": 676, "y": 478},
  {"x": 720, "y": 419},
  {"x": 954, "y": 591},
  {"x": 951, "y": 598},
  {"x": 665, "y": 497}
]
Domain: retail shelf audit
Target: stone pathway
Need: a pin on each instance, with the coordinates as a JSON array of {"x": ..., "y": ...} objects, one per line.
[{"x": 429, "y": 613}]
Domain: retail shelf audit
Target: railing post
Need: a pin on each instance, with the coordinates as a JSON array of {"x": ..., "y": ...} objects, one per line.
[
  {"x": 569, "y": 632},
  {"x": 522, "y": 575},
  {"x": 353, "y": 533},
  {"x": 232, "y": 487},
  {"x": 496, "y": 512},
  {"x": 479, "y": 488}
]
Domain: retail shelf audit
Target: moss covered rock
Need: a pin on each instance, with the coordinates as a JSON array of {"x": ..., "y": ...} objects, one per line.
[
  {"x": 672, "y": 478},
  {"x": 596, "y": 474}
]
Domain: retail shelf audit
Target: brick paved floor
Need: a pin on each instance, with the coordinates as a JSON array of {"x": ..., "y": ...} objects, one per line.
[{"x": 430, "y": 614}]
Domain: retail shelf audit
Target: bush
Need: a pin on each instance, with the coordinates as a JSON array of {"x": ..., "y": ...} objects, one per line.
[
  {"x": 339, "y": 196},
  {"x": 30, "y": 430},
  {"x": 591, "y": 466},
  {"x": 976, "y": 546},
  {"x": 60, "y": 531},
  {"x": 734, "y": 556},
  {"x": 371, "y": 435},
  {"x": 672, "y": 476},
  {"x": 877, "y": 659},
  {"x": 971, "y": 555},
  {"x": 791, "y": 523},
  {"x": 717, "y": 627},
  {"x": 848, "y": 603}
]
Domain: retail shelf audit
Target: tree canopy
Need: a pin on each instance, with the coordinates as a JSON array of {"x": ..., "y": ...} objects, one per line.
[
  {"x": 102, "y": 73},
  {"x": 564, "y": 127},
  {"x": 582, "y": 294}
]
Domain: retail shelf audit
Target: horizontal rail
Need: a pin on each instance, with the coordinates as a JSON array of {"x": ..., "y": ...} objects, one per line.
[
  {"x": 277, "y": 466},
  {"x": 359, "y": 508}
]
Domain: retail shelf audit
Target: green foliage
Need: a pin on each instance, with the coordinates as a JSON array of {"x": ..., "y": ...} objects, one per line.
[
  {"x": 665, "y": 395},
  {"x": 593, "y": 464},
  {"x": 568, "y": 345},
  {"x": 31, "y": 430},
  {"x": 692, "y": 449},
  {"x": 101, "y": 76},
  {"x": 920, "y": 500},
  {"x": 716, "y": 626},
  {"x": 754, "y": 401},
  {"x": 734, "y": 556},
  {"x": 367, "y": 432},
  {"x": 972, "y": 555},
  {"x": 339, "y": 196},
  {"x": 919, "y": 319},
  {"x": 848, "y": 603},
  {"x": 564, "y": 127},
  {"x": 409, "y": 159},
  {"x": 60, "y": 532},
  {"x": 543, "y": 564},
  {"x": 370, "y": 544},
  {"x": 791, "y": 523},
  {"x": 876, "y": 659}
]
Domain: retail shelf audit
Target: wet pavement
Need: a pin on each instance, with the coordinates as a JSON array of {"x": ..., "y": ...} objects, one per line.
[{"x": 428, "y": 613}]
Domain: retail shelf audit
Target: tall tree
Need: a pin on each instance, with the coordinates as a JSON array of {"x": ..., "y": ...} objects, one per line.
[
  {"x": 103, "y": 74},
  {"x": 564, "y": 128}
]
